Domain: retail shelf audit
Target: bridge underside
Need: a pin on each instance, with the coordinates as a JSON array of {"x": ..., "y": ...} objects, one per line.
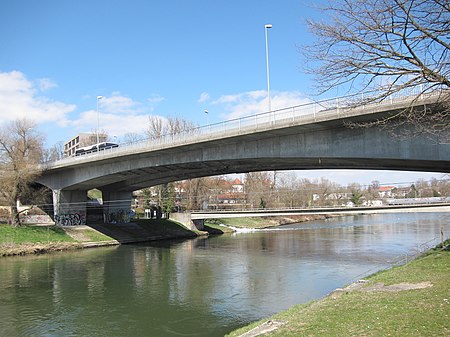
[{"x": 141, "y": 178}]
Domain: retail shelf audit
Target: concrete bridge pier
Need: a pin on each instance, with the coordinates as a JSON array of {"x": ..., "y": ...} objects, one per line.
[
  {"x": 69, "y": 207},
  {"x": 117, "y": 206}
]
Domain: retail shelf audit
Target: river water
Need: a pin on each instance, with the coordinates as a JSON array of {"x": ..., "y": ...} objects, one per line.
[{"x": 200, "y": 287}]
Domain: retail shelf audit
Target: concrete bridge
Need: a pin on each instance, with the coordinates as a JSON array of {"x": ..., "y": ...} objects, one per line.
[{"x": 310, "y": 136}]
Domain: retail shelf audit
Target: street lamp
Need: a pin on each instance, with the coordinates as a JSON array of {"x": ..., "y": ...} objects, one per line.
[
  {"x": 207, "y": 115},
  {"x": 98, "y": 118},
  {"x": 267, "y": 27}
]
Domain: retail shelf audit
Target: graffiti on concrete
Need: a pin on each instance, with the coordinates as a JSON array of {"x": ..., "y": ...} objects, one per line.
[
  {"x": 119, "y": 216},
  {"x": 72, "y": 219}
]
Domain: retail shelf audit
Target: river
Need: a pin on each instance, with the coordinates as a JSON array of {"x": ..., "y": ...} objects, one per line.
[{"x": 200, "y": 287}]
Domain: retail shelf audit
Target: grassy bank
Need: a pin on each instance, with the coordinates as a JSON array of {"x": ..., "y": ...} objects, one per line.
[
  {"x": 410, "y": 300},
  {"x": 32, "y": 234},
  {"x": 42, "y": 239},
  {"x": 33, "y": 239},
  {"x": 264, "y": 222}
]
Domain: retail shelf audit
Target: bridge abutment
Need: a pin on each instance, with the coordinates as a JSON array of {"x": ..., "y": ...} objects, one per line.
[
  {"x": 186, "y": 220},
  {"x": 117, "y": 206},
  {"x": 69, "y": 207}
]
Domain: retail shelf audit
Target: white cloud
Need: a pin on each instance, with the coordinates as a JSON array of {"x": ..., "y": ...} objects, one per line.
[
  {"x": 113, "y": 124},
  {"x": 155, "y": 98},
  {"x": 19, "y": 99},
  {"x": 255, "y": 102},
  {"x": 204, "y": 97},
  {"x": 119, "y": 104},
  {"x": 117, "y": 115},
  {"x": 46, "y": 83}
]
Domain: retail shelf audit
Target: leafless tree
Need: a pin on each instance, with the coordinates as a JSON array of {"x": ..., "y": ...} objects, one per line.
[
  {"x": 159, "y": 126},
  {"x": 56, "y": 152},
  {"x": 177, "y": 125},
  {"x": 133, "y": 137},
  {"x": 196, "y": 191},
  {"x": 258, "y": 186},
  {"x": 155, "y": 127},
  {"x": 21, "y": 150},
  {"x": 386, "y": 47}
]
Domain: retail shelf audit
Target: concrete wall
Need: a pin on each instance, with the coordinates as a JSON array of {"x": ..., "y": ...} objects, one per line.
[
  {"x": 117, "y": 206},
  {"x": 69, "y": 207}
]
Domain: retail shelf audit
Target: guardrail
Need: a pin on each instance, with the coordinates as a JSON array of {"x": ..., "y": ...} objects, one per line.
[{"x": 329, "y": 109}]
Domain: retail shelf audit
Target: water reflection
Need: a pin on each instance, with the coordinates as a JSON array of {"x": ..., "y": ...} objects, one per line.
[{"x": 202, "y": 287}]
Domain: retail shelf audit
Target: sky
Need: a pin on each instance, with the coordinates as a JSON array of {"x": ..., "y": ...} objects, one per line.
[{"x": 166, "y": 58}]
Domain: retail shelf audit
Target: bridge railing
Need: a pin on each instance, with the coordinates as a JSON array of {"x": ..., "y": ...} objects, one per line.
[{"x": 296, "y": 115}]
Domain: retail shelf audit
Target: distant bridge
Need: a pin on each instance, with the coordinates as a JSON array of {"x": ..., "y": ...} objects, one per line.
[
  {"x": 310, "y": 136},
  {"x": 196, "y": 215}
]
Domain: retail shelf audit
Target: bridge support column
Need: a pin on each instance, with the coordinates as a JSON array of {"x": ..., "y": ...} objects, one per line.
[
  {"x": 117, "y": 206},
  {"x": 69, "y": 207}
]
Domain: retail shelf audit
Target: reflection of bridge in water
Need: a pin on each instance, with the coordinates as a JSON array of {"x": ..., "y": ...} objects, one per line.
[{"x": 311, "y": 136}]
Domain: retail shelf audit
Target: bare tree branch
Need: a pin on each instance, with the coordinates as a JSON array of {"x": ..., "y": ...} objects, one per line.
[
  {"x": 21, "y": 150},
  {"x": 386, "y": 47}
]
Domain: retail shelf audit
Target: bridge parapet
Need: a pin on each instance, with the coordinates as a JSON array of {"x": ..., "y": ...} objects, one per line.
[{"x": 308, "y": 113}]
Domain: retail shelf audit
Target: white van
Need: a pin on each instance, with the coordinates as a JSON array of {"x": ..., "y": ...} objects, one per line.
[{"x": 94, "y": 148}]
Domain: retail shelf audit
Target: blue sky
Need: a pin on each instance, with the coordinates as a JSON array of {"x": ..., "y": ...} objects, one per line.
[{"x": 169, "y": 58}]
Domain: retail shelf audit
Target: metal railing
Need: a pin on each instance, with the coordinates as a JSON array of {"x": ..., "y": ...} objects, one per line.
[{"x": 312, "y": 112}]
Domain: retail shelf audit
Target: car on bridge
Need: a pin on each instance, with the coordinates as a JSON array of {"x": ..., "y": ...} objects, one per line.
[{"x": 95, "y": 147}]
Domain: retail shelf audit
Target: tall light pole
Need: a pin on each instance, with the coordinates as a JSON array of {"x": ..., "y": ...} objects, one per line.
[
  {"x": 267, "y": 27},
  {"x": 207, "y": 117},
  {"x": 98, "y": 118}
]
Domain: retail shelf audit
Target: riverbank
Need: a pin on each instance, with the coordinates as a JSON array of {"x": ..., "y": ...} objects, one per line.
[
  {"x": 263, "y": 222},
  {"x": 46, "y": 239},
  {"x": 40, "y": 239},
  {"x": 410, "y": 300},
  {"x": 50, "y": 238}
]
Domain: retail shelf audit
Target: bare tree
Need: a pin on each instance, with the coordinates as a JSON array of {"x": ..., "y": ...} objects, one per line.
[
  {"x": 132, "y": 137},
  {"x": 159, "y": 126},
  {"x": 21, "y": 150},
  {"x": 386, "y": 46},
  {"x": 196, "y": 191},
  {"x": 155, "y": 127},
  {"x": 56, "y": 152},
  {"x": 257, "y": 189},
  {"x": 177, "y": 125}
]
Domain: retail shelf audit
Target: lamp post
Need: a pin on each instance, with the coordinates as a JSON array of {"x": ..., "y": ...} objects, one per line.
[
  {"x": 267, "y": 27},
  {"x": 207, "y": 117},
  {"x": 98, "y": 118}
]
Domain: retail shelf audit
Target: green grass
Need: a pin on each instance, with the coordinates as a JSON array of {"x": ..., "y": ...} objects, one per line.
[
  {"x": 95, "y": 236},
  {"x": 423, "y": 312},
  {"x": 247, "y": 222},
  {"x": 32, "y": 234}
]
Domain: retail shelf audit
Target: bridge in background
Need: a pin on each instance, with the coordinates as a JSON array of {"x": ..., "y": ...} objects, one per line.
[{"x": 310, "y": 136}]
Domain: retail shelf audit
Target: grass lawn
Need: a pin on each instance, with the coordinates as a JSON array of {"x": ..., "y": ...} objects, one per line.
[
  {"x": 33, "y": 240},
  {"x": 376, "y": 309},
  {"x": 32, "y": 234},
  {"x": 247, "y": 222}
]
